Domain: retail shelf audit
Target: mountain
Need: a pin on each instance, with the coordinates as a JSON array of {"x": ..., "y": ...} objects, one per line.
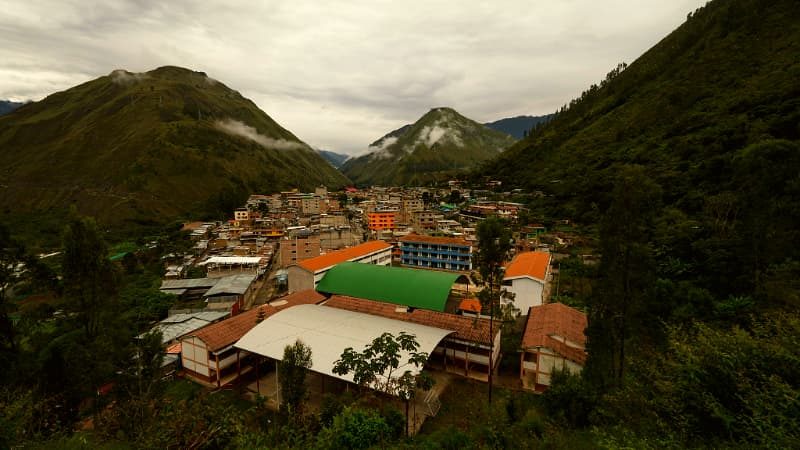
[
  {"x": 145, "y": 148},
  {"x": 7, "y": 106},
  {"x": 686, "y": 110},
  {"x": 519, "y": 126},
  {"x": 440, "y": 143},
  {"x": 336, "y": 159}
]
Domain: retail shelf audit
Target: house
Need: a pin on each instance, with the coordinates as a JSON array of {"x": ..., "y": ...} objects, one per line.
[
  {"x": 306, "y": 274},
  {"x": 207, "y": 354},
  {"x": 526, "y": 277},
  {"x": 177, "y": 325},
  {"x": 231, "y": 293},
  {"x": 436, "y": 252},
  {"x": 554, "y": 339}
]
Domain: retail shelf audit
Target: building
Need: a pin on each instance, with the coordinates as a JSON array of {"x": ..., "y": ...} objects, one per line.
[
  {"x": 423, "y": 221},
  {"x": 321, "y": 191},
  {"x": 177, "y": 325},
  {"x": 208, "y": 355},
  {"x": 310, "y": 205},
  {"x": 231, "y": 293},
  {"x": 306, "y": 274},
  {"x": 436, "y": 252},
  {"x": 294, "y": 250},
  {"x": 381, "y": 220},
  {"x": 554, "y": 339},
  {"x": 465, "y": 351},
  {"x": 407, "y": 288},
  {"x": 241, "y": 215},
  {"x": 526, "y": 277}
]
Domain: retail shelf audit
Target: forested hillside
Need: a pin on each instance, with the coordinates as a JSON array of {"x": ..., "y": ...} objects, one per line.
[
  {"x": 685, "y": 165},
  {"x": 142, "y": 148}
]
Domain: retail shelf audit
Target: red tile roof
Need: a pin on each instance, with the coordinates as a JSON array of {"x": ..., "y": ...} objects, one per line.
[
  {"x": 556, "y": 319},
  {"x": 222, "y": 334},
  {"x": 466, "y": 328},
  {"x": 433, "y": 239},
  {"x": 470, "y": 304},
  {"x": 528, "y": 264},
  {"x": 340, "y": 256}
]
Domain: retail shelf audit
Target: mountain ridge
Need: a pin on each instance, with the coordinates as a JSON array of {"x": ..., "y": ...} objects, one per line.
[
  {"x": 438, "y": 144},
  {"x": 148, "y": 147}
]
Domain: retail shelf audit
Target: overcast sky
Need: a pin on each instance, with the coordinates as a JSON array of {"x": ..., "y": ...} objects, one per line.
[{"x": 340, "y": 74}]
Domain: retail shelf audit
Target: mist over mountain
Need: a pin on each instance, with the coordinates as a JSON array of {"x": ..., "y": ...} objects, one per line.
[
  {"x": 438, "y": 144},
  {"x": 146, "y": 148}
]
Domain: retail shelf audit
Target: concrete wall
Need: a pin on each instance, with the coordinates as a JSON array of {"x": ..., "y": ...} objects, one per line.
[
  {"x": 299, "y": 279},
  {"x": 527, "y": 293}
]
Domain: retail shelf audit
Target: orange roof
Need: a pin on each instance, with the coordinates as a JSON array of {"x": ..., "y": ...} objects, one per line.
[
  {"x": 546, "y": 322},
  {"x": 413, "y": 237},
  {"x": 528, "y": 264},
  {"x": 466, "y": 328},
  {"x": 174, "y": 348},
  {"x": 222, "y": 334},
  {"x": 347, "y": 254},
  {"x": 470, "y": 304}
]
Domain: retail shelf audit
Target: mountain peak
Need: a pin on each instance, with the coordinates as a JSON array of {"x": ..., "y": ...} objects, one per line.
[{"x": 442, "y": 140}]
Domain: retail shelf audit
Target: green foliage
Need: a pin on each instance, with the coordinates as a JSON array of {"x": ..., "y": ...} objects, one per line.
[
  {"x": 131, "y": 154},
  {"x": 292, "y": 372},
  {"x": 355, "y": 428},
  {"x": 413, "y": 160},
  {"x": 716, "y": 385},
  {"x": 569, "y": 398},
  {"x": 90, "y": 279},
  {"x": 619, "y": 317},
  {"x": 375, "y": 365}
]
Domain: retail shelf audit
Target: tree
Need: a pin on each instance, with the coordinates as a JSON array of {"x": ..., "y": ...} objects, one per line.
[
  {"x": 90, "y": 279},
  {"x": 494, "y": 242},
  {"x": 455, "y": 197},
  {"x": 375, "y": 366},
  {"x": 11, "y": 254},
  {"x": 618, "y": 309},
  {"x": 292, "y": 372}
]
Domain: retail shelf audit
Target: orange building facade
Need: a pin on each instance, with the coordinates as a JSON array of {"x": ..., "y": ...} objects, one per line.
[{"x": 383, "y": 220}]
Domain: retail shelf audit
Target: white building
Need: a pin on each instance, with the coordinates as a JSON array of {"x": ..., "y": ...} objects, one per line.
[{"x": 526, "y": 277}]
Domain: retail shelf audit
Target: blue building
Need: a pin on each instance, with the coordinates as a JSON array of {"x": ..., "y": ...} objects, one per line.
[{"x": 433, "y": 252}]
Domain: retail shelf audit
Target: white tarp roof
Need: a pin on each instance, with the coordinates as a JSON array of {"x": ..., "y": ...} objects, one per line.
[
  {"x": 328, "y": 331},
  {"x": 230, "y": 260}
]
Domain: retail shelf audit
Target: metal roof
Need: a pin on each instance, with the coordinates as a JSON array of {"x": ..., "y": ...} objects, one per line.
[
  {"x": 234, "y": 284},
  {"x": 328, "y": 332},
  {"x": 425, "y": 289},
  {"x": 232, "y": 260},
  {"x": 177, "y": 325},
  {"x": 189, "y": 283}
]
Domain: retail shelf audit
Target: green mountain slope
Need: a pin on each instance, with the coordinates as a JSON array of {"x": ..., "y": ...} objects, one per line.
[
  {"x": 724, "y": 80},
  {"x": 439, "y": 143},
  {"x": 145, "y": 148}
]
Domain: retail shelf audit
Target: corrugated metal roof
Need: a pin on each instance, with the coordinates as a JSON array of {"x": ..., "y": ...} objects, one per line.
[
  {"x": 425, "y": 289},
  {"x": 178, "y": 325},
  {"x": 234, "y": 284},
  {"x": 328, "y": 332},
  {"x": 189, "y": 283}
]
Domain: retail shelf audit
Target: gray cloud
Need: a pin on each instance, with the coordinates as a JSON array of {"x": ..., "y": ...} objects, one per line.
[{"x": 341, "y": 74}]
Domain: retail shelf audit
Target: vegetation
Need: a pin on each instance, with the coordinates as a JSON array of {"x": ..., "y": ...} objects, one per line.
[
  {"x": 440, "y": 143},
  {"x": 292, "y": 374},
  {"x": 129, "y": 149}
]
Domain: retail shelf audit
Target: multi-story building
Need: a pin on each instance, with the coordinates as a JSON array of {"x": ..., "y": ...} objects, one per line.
[
  {"x": 321, "y": 191},
  {"x": 381, "y": 220},
  {"x": 423, "y": 221},
  {"x": 241, "y": 215},
  {"x": 294, "y": 250},
  {"x": 436, "y": 252},
  {"x": 306, "y": 274},
  {"x": 310, "y": 205},
  {"x": 526, "y": 277}
]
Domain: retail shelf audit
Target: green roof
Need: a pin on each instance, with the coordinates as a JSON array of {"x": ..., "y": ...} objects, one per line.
[{"x": 426, "y": 289}]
